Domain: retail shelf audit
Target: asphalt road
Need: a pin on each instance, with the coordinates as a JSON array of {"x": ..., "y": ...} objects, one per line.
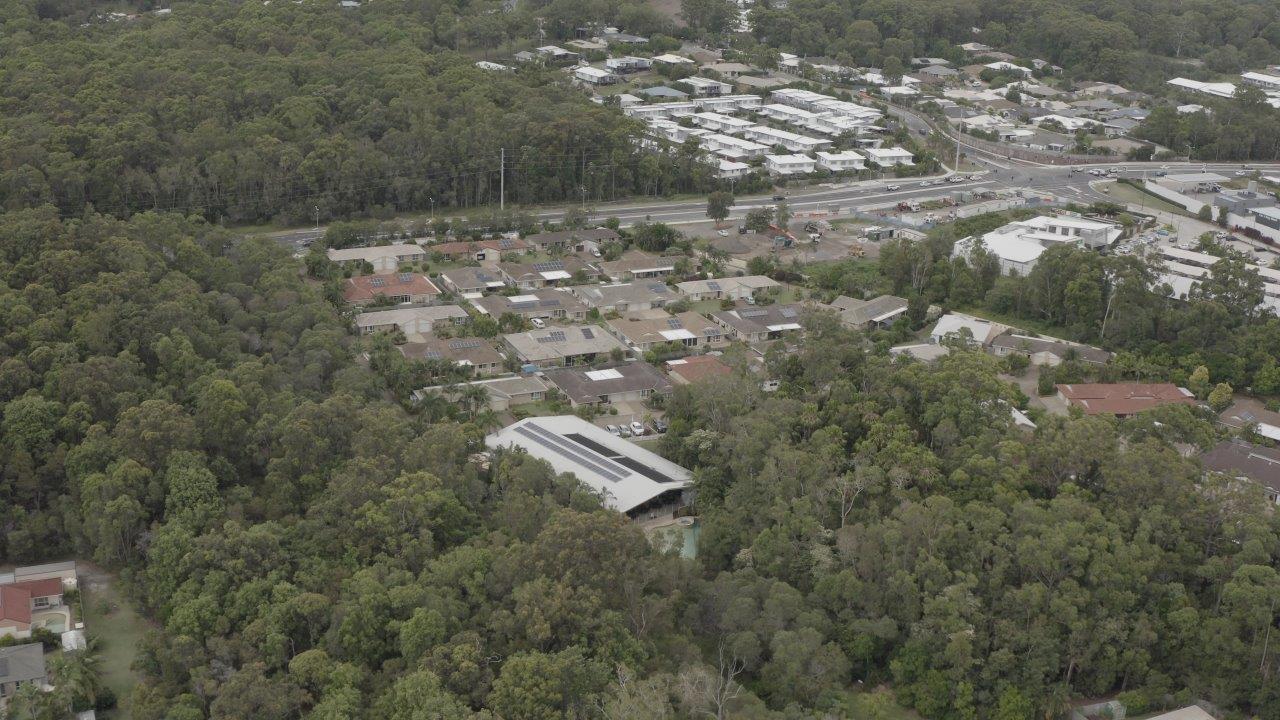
[{"x": 1066, "y": 182}]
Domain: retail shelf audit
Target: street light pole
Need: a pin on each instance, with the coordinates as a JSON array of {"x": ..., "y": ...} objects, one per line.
[{"x": 433, "y": 208}]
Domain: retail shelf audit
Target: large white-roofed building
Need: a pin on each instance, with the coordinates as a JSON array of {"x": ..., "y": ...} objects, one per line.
[{"x": 631, "y": 480}]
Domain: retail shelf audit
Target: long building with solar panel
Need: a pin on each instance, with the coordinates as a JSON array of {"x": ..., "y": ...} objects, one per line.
[{"x": 632, "y": 480}]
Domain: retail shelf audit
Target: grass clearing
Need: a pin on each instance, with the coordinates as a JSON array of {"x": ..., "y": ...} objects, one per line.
[
  {"x": 118, "y": 628},
  {"x": 1133, "y": 196}
]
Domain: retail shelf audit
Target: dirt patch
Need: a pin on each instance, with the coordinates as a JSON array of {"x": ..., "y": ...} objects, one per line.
[{"x": 669, "y": 8}]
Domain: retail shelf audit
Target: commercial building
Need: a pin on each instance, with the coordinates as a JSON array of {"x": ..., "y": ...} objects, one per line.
[
  {"x": 544, "y": 303},
  {"x": 398, "y": 288},
  {"x": 622, "y": 382},
  {"x": 411, "y": 320},
  {"x": 1123, "y": 399},
  {"x": 474, "y": 353},
  {"x": 1222, "y": 90},
  {"x": 469, "y": 280},
  {"x": 727, "y": 288},
  {"x": 1246, "y": 461},
  {"x": 559, "y": 346},
  {"x": 793, "y": 142},
  {"x": 625, "y": 297},
  {"x": 732, "y": 147},
  {"x": 1018, "y": 245},
  {"x": 643, "y": 330},
  {"x": 720, "y": 123},
  {"x": 1270, "y": 83},
  {"x": 383, "y": 258},
  {"x": 757, "y": 324},
  {"x": 630, "y": 479}
]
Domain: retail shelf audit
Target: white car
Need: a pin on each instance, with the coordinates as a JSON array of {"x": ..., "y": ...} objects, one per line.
[
  {"x": 637, "y": 428},
  {"x": 722, "y": 233},
  {"x": 925, "y": 183},
  {"x": 538, "y": 323},
  {"x": 894, "y": 187},
  {"x": 613, "y": 430},
  {"x": 1241, "y": 173}
]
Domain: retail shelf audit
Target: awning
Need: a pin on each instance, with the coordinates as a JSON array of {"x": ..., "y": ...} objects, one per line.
[
  {"x": 783, "y": 326},
  {"x": 555, "y": 275},
  {"x": 677, "y": 335}
]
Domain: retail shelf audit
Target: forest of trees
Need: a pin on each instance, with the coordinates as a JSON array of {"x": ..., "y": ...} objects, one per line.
[
  {"x": 247, "y": 112},
  {"x": 185, "y": 409}
]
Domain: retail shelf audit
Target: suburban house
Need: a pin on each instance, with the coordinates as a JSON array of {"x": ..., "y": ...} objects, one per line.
[
  {"x": 625, "y": 382},
  {"x": 1123, "y": 399},
  {"x": 504, "y": 392},
  {"x": 24, "y": 604},
  {"x": 697, "y": 368},
  {"x": 548, "y": 273},
  {"x": 558, "y": 346},
  {"x": 757, "y": 324},
  {"x": 474, "y": 353},
  {"x": 594, "y": 75},
  {"x": 545, "y": 303},
  {"x": 479, "y": 250},
  {"x": 627, "y": 64},
  {"x": 637, "y": 265},
  {"x": 1246, "y": 461},
  {"x": 20, "y": 665},
  {"x": 383, "y": 258},
  {"x": 888, "y": 157},
  {"x": 411, "y": 320},
  {"x": 625, "y": 297},
  {"x": 399, "y": 288},
  {"x": 706, "y": 87},
  {"x": 976, "y": 331},
  {"x": 795, "y": 164},
  {"x": 842, "y": 161},
  {"x": 469, "y": 280},
  {"x": 728, "y": 288},
  {"x": 648, "y": 328},
  {"x": 1251, "y": 414},
  {"x": 729, "y": 70},
  {"x": 878, "y": 312},
  {"x": 1046, "y": 351},
  {"x": 571, "y": 240},
  {"x": 631, "y": 480}
]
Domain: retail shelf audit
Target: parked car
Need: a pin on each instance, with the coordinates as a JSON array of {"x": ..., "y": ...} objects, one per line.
[
  {"x": 624, "y": 431},
  {"x": 660, "y": 425},
  {"x": 538, "y": 323},
  {"x": 637, "y": 428},
  {"x": 613, "y": 430}
]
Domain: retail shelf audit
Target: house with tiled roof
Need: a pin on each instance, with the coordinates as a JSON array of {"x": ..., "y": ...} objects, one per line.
[{"x": 398, "y": 288}]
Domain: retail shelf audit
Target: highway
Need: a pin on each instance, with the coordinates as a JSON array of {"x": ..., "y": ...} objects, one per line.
[{"x": 1070, "y": 183}]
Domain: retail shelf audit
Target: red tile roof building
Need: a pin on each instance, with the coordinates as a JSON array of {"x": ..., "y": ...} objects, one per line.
[
  {"x": 17, "y": 600},
  {"x": 399, "y": 287},
  {"x": 1123, "y": 399}
]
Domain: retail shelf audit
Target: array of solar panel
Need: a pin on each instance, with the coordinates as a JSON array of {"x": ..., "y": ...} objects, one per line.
[
  {"x": 588, "y": 333},
  {"x": 406, "y": 277},
  {"x": 713, "y": 285},
  {"x": 433, "y": 355},
  {"x": 549, "y": 265},
  {"x": 550, "y": 303},
  {"x": 464, "y": 344},
  {"x": 377, "y": 282},
  {"x": 523, "y": 305},
  {"x": 593, "y": 462},
  {"x": 674, "y": 323},
  {"x": 787, "y": 312},
  {"x": 752, "y": 313},
  {"x": 619, "y": 458}
]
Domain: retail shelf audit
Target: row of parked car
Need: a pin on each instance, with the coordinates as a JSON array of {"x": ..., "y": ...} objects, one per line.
[{"x": 636, "y": 428}]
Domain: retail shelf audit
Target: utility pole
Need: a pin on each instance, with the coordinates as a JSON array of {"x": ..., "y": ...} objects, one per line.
[{"x": 502, "y": 179}]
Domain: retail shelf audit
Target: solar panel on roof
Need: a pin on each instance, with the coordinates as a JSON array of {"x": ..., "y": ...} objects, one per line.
[
  {"x": 464, "y": 344},
  {"x": 550, "y": 303},
  {"x": 674, "y": 323},
  {"x": 787, "y": 312},
  {"x": 557, "y": 335},
  {"x": 583, "y": 457},
  {"x": 710, "y": 331},
  {"x": 713, "y": 285},
  {"x": 523, "y": 305},
  {"x": 549, "y": 265},
  {"x": 752, "y": 313},
  {"x": 406, "y": 277},
  {"x": 433, "y": 355},
  {"x": 588, "y": 334}
]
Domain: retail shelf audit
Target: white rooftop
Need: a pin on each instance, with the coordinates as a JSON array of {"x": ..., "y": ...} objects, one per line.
[{"x": 626, "y": 474}]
